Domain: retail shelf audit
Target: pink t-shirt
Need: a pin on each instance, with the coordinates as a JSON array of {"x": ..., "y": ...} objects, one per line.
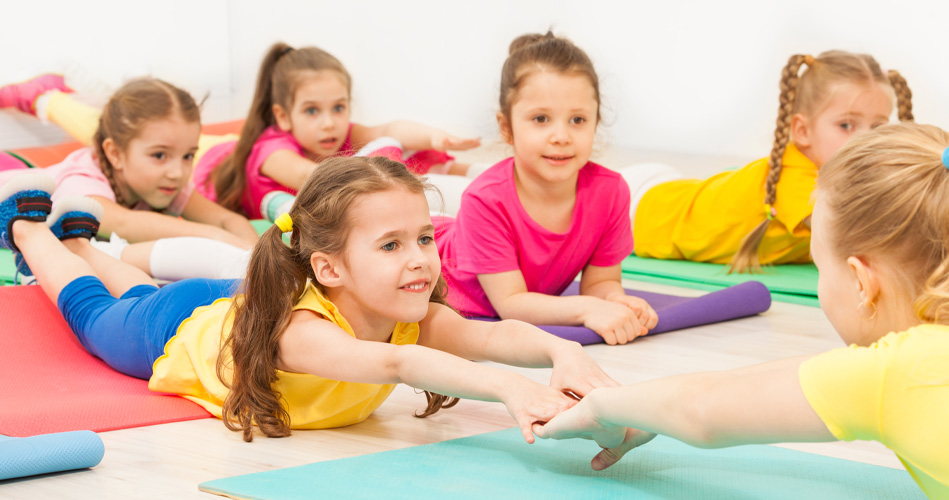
[
  {"x": 79, "y": 175},
  {"x": 273, "y": 139},
  {"x": 494, "y": 234}
]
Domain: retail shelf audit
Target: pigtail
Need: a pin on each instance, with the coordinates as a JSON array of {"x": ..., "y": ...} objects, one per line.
[
  {"x": 904, "y": 98},
  {"x": 275, "y": 280},
  {"x": 746, "y": 258},
  {"x": 105, "y": 165},
  {"x": 230, "y": 177}
]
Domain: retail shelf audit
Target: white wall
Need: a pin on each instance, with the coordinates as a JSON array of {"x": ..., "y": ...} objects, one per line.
[{"x": 688, "y": 76}]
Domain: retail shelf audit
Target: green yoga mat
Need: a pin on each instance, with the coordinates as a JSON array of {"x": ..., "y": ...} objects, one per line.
[
  {"x": 501, "y": 465},
  {"x": 7, "y": 267},
  {"x": 795, "y": 283}
]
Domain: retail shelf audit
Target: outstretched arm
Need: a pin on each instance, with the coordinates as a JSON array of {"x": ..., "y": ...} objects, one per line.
[
  {"x": 313, "y": 345},
  {"x": 414, "y": 136},
  {"x": 759, "y": 404},
  {"x": 202, "y": 210},
  {"x": 513, "y": 343}
]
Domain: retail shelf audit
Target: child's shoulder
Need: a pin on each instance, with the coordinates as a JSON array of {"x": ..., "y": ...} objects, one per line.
[
  {"x": 594, "y": 176},
  {"x": 501, "y": 173}
]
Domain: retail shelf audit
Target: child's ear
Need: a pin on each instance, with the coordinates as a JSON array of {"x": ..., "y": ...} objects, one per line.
[
  {"x": 325, "y": 270},
  {"x": 800, "y": 131},
  {"x": 867, "y": 280},
  {"x": 505, "y": 127},
  {"x": 282, "y": 117},
  {"x": 112, "y": 153}
]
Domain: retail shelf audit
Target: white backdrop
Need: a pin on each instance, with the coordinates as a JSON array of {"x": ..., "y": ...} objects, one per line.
[{"x": 688, "y": 77}]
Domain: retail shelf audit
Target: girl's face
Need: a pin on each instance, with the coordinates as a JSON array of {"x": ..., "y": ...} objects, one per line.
[
  {"x": 552, "y": 126},
  {"x": 157, "y": 163},
  {"x": 319, "y": 118},
  {"x": 390, "y": 262},
  {"x": 852, "y": 109}
]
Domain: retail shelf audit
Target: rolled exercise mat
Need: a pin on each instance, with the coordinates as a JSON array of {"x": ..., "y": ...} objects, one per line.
[
  {"x": 675, "y": 312},
  {"x": 45, "y": 453}
]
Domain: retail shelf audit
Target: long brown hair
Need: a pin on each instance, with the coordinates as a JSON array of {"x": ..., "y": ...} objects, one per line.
[
  {"x": 280, "y": 73},
  {"x": 530, "y": 52},
  {"x": 888, "y": 195},
  {"x": 807, "y": 94},
  {"x": 132, "y": 106},
  {"x": 278, "y": 275}
]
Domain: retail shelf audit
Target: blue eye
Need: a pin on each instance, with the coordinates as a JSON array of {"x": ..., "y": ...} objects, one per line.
[
  {"x": 311, "y": 111},
  {"x": 426, "y": 240},
  {"x": 339, "y": 108},
  {"x": 390, "y": 246},
  {"x": 847, "y": 126}
]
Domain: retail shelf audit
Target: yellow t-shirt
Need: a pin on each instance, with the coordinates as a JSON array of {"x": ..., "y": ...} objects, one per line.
[
  {"x": 895, "y": 391},
  {"x": 705, "y": 220},
  {"x": 188, "y": 368}
]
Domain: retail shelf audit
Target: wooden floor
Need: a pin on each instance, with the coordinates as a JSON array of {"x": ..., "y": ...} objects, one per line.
[{"x": 168, "y": 461}]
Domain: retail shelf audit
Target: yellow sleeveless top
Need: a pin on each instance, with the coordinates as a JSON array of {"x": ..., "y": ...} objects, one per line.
[
  {"x": 704, "y": 220},
  {"x": 188, "y": 368}
]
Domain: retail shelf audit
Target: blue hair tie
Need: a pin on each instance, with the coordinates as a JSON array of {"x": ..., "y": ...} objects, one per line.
[{"x": 945, "y": 157}]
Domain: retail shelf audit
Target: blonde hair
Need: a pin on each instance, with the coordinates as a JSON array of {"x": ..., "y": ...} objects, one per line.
[
  {"x": 888, "y": 195},
  {"x": 277, "y": 276},
  {"x": 807, "y": 94},
  {"x": 132, "y": 106},
  {"x": 280, "y": 73}
]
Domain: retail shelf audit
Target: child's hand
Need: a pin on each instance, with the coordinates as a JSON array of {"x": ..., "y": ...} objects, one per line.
[
  {"x": 644, "y": 312},
  {"x": 443, "y": 141},
  {"x": 529, "y": 403},
  {"x": 576, "y": 373},
  {"x": 616, "y": 322}
]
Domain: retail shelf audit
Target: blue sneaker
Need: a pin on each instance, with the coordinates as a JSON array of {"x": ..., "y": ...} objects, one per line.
[
  {"x": 26, "y": 196},
  {"x": 75, "y": 217}
]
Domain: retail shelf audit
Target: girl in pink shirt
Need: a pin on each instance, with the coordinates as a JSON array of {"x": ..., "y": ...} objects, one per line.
[
  {"x": 529, "y": 224},
  {"x": 300, "y": 116}
]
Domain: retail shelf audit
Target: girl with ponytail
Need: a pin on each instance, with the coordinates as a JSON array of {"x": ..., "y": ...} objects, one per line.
[
  {"x": 760, "y": 214},
  {"x": 300, "y": 115},
  {"x": 319, "y": 332},
  {"x": 881, "y": 243}
]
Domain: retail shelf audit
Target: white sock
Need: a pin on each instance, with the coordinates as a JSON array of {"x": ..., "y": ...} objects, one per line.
[
  {"x": 113, "y": 247},
  {"x": 174, "y": 259}
]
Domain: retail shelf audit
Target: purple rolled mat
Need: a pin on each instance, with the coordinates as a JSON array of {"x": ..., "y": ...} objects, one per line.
[{"x": 676, "y": 313}]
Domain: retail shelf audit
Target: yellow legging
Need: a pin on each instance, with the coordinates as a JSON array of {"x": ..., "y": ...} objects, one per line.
[{"x": 80, "y": 121}]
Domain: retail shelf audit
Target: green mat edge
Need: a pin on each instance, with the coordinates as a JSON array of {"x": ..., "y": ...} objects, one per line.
[{"x": 791, "y": 298}]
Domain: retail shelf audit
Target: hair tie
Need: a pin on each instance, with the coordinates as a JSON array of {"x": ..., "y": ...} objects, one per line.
[
  {"x": 769, "y": 211},
  {"x": 809, "y": 60},
  {"x": 945, "y": 157},
  {"x": 284, "y": 222}
]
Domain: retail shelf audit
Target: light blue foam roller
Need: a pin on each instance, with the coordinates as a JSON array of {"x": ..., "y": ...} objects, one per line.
[{"x": 45, "y": 453}]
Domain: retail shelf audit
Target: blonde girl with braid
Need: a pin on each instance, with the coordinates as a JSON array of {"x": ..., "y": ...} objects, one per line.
[
  {"x": 881, "y": 244},
  {"x": 139, "y": 170},
  {"x": 760, "y": 214},
  {"x": 320, "y": 331}
]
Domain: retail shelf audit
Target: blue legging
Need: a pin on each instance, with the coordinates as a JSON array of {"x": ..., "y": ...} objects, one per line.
[{"x": 130, "y": 332}]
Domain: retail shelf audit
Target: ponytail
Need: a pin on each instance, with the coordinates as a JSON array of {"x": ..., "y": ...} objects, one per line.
[
  {"x": 230, "y": 177},
  {"x": 746, "y": 258},
  {"x": 275, "y": 279}
]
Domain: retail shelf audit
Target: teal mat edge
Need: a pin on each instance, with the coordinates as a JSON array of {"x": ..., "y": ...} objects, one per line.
[{"x": 791, "y": 298}]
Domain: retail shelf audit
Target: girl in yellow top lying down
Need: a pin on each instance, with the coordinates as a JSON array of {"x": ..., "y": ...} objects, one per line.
[
  {"x": 760, "y": 214},
  {"x": 320, "y": 331},
  {"x": 881, "y": 243}
]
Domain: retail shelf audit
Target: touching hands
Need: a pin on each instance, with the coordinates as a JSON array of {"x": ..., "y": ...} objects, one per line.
[
  {"x": 620, "y": 318},
  {"x": 581, "y": 422},
  {"x": 529, "y": 402},
  {"x": 576, "y": 373},
  {"x": 443, "y": 141}
]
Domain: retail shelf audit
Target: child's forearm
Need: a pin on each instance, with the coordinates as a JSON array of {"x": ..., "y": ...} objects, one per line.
[
  {"x": 517, "y": 343},
  {"x": 412, "y": 135},
  {"x": 440, "y": 372},
  {"x": 542, "y": 309}
]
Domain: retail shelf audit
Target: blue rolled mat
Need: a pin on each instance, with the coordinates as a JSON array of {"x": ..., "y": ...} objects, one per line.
[
  {"x": 675, "y": 312},
  {"x": 45, "y": 453}
]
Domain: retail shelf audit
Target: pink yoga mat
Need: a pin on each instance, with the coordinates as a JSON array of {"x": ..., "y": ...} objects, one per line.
[
  {"x": 49, "y": 383},
  {"x": 676, "y": 313}
]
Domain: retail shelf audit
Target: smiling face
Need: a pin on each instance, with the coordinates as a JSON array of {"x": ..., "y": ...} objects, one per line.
[
  {"x": 552, "y": 126},
  {"x": 157, "y": 163},
  {"x": 851, "y": 109},
  {"x": 319, "y": 116},
  {"x": 390, "y": 264}
]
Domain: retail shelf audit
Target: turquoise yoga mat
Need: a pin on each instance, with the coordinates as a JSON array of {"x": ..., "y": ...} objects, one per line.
[
  {"x": 7, "y": 267},
  {"x": 795, "y": 283},
  {"x": 45, "y": 453},
  {"x": 501, "y": 465}
]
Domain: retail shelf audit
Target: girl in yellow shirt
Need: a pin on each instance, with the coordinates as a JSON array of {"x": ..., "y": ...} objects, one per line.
[
  {"x": 881, "y": 243},
  {"x": 320, "y": 331},
  {"x": 759, "y": 214}
]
